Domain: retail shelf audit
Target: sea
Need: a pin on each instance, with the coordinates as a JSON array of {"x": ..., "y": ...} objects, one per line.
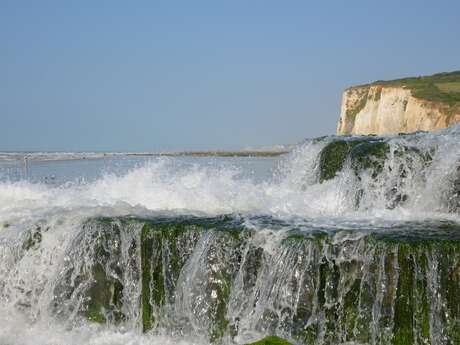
[{"x": 64, "y": 213}]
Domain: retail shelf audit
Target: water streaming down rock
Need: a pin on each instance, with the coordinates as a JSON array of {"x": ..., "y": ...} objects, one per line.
[
  {"x": 295, "y": 269},
  {"x": 381, "y": 173},
  {"x": 218, "y": 279}
]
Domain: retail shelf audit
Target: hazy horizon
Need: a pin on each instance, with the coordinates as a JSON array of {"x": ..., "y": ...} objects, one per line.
[{"x": 202, "y": 75}]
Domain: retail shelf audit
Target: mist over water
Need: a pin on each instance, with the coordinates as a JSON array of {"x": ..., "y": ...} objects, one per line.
[{"x": 416, "y": 182}]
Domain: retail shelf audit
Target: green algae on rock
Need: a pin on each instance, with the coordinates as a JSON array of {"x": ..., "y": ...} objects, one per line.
[
  {"x": 164, "y": 249},
  {"x": 371, "y": 164},
  {"x": 97, "y": 282},
  {"x": 271, "y": 340},
  {"x": 104, "y": 297},
  {"x": 210, "y": 276},
  {"x": 365, "y": 154},
  {"x": 369, "y": 155},
  {"x": 333, "y": 156}
]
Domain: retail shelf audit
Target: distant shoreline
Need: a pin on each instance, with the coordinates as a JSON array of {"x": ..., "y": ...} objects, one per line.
[
  {"x": 56, "y": 156},
  {"x": 214, "y": 154}
]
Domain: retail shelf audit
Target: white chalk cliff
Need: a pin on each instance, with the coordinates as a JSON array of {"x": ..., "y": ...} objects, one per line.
[{"x": 382, "y": 109}]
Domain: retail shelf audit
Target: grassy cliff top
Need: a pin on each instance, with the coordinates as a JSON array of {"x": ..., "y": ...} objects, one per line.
[{"x": 440, "y": 87}]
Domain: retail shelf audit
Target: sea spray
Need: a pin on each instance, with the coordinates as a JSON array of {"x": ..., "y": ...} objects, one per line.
[{"x": 353, "y": 240}]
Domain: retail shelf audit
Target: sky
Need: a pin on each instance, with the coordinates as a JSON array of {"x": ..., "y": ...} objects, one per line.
[{"x": 196, "y": 75}]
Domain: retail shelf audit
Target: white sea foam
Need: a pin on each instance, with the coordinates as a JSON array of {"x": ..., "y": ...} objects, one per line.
[
  {"x": 17, "y": 331},
  {"x": 161, "y": 185}
]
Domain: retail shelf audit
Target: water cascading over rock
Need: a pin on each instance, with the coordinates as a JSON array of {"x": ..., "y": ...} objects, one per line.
[
  {"x": 240, "y": 277},
  {"x": 216, "y": 278},
  {"x": 382, "y": 173}
]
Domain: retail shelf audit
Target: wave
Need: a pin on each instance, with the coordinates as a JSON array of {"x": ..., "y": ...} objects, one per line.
[
  {"x": 416, "y": 178},
  {"x": 350, "y": 239}
]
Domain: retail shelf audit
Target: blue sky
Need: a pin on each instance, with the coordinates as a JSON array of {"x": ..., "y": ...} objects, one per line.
[{"x": 173, "y": 75}]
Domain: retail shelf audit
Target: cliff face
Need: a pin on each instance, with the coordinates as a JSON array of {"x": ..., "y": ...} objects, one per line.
[{"x": 392, "y": 109}]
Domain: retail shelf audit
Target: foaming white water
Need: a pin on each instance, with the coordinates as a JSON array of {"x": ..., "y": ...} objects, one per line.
[
  {"x": 16, "y": 331},
  {"x": 157, "y": 186},
  {"x": 163, "y": 186},
  {"x": 29, "y": 279},
  {"x": 407, "y": 186}
]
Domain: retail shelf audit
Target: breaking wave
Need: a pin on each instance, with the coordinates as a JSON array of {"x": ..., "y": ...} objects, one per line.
[
  {"x": 424, "y": 186},
  {"x": 229, "y": 258}
]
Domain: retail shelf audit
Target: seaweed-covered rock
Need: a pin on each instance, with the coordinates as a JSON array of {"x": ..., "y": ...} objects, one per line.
[
  {"x": 96, "y": 271},
  {"x": 104, "y": 297},
  {"x": 33, "y": 237},
  {"x": 333, "y": 156},
  {"x": 271, "y": 340},
  {"x": 369, "y": 155},
  {"x": 164, "y": 250},
  {"x": 213, "y": 278}
]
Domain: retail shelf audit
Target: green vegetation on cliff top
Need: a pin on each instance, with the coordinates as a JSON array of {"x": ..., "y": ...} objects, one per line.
[{"x": 440, "y": 87}]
